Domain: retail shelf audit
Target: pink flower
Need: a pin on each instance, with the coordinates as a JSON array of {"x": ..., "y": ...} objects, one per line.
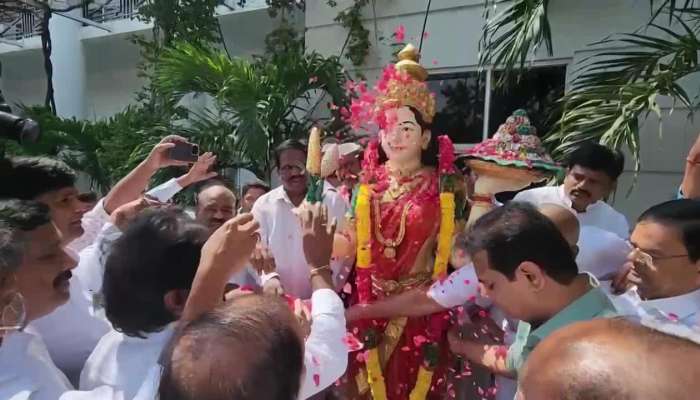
[
  {"x": 317, "y": 379},
  {"x": 426, "y": 35},
  {"x": 352, "y": 343},
  {"x": 418, "y": 340},
  {"x": 447, "y": 155},
  {"x": 400, "y": 33}
]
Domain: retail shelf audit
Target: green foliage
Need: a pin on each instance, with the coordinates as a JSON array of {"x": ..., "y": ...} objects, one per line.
[
  {"x": 358, "y": 43},
  {"x": 613, "y": 88},
  {"x": 191, "y": 20},
  {"x": 510, "y": 36},
  {"x": 262, "y": 102}
]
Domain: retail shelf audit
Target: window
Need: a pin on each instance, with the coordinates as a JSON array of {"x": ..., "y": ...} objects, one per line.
[{"x": 468, "y": 115}]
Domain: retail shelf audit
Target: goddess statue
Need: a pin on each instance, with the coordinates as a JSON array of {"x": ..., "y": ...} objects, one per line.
[{"x": 402, "y": 227}]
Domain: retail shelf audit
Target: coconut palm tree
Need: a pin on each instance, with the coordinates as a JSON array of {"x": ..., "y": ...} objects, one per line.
[{"x": 613, "y": 89}]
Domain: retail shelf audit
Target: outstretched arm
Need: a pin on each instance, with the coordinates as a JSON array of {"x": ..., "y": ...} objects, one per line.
[
  {"x": 691, "y": 180},
  {"x": 226, "y": 252},
  {"x": 413, "y": 303},
  {"x": 131, "y": 186}
]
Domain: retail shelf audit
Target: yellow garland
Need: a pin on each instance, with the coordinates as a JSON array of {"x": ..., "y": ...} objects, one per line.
[
  {"x": 375, "y": 378},
  {"x": 447, "y": 229},
  {"x": 364, "y": 227},
  {"x": 423, "y": 381}
]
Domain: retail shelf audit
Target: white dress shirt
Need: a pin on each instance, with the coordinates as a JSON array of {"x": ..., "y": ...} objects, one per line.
[
  {"x": 122, "y": 362},
  {"x": 280, "y": 230},
  {"x": 684, "y": 309},
  {"x": 601, "y": 253},
  {"x": 28, "y": 373},
  {"x": 72, "y": 330},
  {"x": 325, "y": 352},
  {"x": 598, "y": 214}
]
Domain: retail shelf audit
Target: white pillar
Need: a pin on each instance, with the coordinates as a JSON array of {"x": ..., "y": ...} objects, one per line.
[{"x": 68, "y": 66}]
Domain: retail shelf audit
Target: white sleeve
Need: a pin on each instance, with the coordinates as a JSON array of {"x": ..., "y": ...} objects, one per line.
[
  {"x": 524, "y": 196},
  {"x": 92, "y": 223},
  {"x": 325, "y": 354},
  {"x": 459, "y": 287},
  {"x": 623, "y": 227},
  {"x": 101, "y": 393},
  {"x": 90, "y": 269},
  {"x": 165, "y": 191}
]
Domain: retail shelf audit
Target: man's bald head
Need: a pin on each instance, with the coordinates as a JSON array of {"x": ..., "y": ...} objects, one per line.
[
  {"x": 249, "y": 348},
  {"x": 611, "y": 359},
  {"x": 564, "y": 219},
  {"x": 216, "y": 204}
]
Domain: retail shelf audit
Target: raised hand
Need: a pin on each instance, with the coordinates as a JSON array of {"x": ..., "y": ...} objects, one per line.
[
  {"x": 230, "y": 246},
  {"x": 200, "y": 170},
  {"x": 159, "y": 157},
  {"x": 262, "y": 260},
  {"x": 317, "y": 234}
]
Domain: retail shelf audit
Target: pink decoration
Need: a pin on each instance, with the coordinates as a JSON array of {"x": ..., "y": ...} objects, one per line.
[
  {"x": 400, "y": 33},
  {"x": 447, "y": 155}
]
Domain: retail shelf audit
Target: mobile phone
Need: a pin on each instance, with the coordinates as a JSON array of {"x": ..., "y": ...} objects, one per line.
[{"x": 184, "y": 152}]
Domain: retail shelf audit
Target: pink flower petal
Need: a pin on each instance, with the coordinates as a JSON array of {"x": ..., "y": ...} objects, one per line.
[{"x": 317, "y": 379}]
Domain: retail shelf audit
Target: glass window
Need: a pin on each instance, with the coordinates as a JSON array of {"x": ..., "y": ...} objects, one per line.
[
  {"x": 537, "y": 92},
  {"x": 461, "y": 97},
  {"x": 460, "y": 106}
]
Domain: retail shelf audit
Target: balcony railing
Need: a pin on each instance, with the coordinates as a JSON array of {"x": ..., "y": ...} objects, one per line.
[
  {"x": 25, "y": 24},
  {"x": 112, "y": 10}
]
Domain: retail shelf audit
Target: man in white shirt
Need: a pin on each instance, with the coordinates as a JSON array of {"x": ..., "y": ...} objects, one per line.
[
  {"x": 30, "y": 246},
  {"x": 665, "y": 262},
  {"x": 148, "y": 275},
  {"x": 72, "y": 331},
  {"x": 280, "y": 231},
  {"x": 591, "y": 176},
  {"x": 255, "y": 345}
]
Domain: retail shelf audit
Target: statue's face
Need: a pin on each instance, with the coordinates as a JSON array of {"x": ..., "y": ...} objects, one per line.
[{"x": 403, "y": 140}]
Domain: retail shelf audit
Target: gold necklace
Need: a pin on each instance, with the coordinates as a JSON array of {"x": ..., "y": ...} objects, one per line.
[
  {"x": 397, "y": 188},
  {"x": 390, "y": 245}
]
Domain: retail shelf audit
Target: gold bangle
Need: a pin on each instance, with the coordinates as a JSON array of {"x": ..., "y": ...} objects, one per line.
[{"x": 317, "y": 270}]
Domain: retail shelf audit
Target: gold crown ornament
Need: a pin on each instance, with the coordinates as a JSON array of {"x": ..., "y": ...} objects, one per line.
[{"x": 406, "y": 85}]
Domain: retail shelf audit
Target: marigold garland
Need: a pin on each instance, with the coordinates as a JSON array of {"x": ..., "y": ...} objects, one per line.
[
  {"x": 447, "y": 229},
  {"x": 375, "y": 378},
  {"x": 364, "y": 228},
  {"x": 423, "y": 381}
]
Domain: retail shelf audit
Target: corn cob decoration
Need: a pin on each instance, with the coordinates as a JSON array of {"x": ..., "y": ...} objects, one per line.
[{"x": 314, "y": 192}]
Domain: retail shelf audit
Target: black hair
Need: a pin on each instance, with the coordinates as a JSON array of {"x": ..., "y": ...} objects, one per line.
[
  {"x": 87, "y": 197},
  {"x": 253, "y": 352},
  {"x": 254, "y": 185},
  {"x": 11, "y": 250},
  {"x": 289, "y": 144},
  {"x": 158, "y": 252},
  {"x": 24, "y": 215},
  {"x": 597, "y": 157},
  {"x": 517, "y": 232},
  {"x": 30, "y": 177},
  {"x": 429, "y": 156},
  {"x": 16, "y": 218},
  {"x": 683, "y": 215}
]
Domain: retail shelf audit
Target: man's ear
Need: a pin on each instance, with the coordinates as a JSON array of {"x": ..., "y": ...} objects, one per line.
[
  {"x": 532, "y": 273},
  {"x": 175, "y": 301}
]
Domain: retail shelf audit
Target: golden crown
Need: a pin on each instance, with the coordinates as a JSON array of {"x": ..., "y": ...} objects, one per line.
[{"x": 407, "y": 86}]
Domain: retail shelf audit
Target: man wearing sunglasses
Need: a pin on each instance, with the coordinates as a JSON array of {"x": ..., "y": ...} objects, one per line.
[{"x": 664, "y": 264}]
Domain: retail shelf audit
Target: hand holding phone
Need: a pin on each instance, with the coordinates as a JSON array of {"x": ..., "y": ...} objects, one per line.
[{"x": 184, "y": 151}]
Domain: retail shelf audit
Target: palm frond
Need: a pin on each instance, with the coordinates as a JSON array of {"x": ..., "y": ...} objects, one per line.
[
  {"x": 509, "y": 37},
  {"x": 617, "y": 88},
  {"x": 263, "y": 102}
]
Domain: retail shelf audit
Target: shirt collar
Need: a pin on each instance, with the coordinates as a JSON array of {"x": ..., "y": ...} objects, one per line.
[
  {"x": 279, "y": 194},
  {"x": 680, "y": 307},
  {"x": 586, "y": 307}
]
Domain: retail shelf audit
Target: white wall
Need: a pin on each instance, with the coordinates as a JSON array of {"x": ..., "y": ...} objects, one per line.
[
  {"x": 455, "y": 27},
  {"x": 107, "y": 76}
]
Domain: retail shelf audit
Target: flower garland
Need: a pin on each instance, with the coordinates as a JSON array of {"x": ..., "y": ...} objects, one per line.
[{"x": 375, "y": 377}]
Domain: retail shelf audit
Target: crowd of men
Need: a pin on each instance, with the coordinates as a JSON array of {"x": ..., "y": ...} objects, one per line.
[{"x": 130, "y": 297}]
